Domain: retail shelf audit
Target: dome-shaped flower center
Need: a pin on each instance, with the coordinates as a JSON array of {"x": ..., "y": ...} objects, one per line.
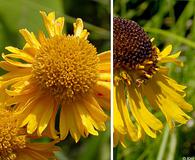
[
  {"x": 135, "y": 58},
  {"x": 11, "y": 138},
  {"x": 66, "y": 66},
  {"x": 131, "y": 44}
]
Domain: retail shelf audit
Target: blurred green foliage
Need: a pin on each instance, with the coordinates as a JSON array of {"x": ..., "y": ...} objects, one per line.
[
  {"x": 18, "y": 14},
  {"x": 169, "y": 22}
]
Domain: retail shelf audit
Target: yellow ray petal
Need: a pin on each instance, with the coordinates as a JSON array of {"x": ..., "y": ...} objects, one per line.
[
  {"x": 104, "y": 56},
  {"x": 50, "y": 130},
  {"x": 167, "y": 107},
  {"x": 5, "y": 84},
  {"x": 102, "y": 89},
  {"x": 64, "y": 123},
  {"x": 70, "y": 124},
  {"x": 44, "y": 120},
  {"x": 168, "y": 59},
  {"x": 59, "y": 25},
  {"x": 97, "y": 114},
  {"x": 118, "y": 121},
  {"x": 149, "y": 123},
  {"x": 36, "y": 155},
  {"x": 104, "y": 77},
  {"x": 121, "y": 102},
  {"x": 24, "y": 155},
  {"x": 15, "y": 63},
  {"x": 29, "y": 57},
  {"x": 33, "y": 119},
  {"x": 171, "y": 83},
  {"x": 78, "y": 29},
  {"x": 30, "y": 38},
  {"x": 43, "y": 146},
  {"x": 175, "y": 97},
  {"x": 16, "y": 73},
  {"x": 104, "y": 103},
  {"x": 8, "y": 67},
  {"x": 30, "y": 50},
  {"x": 86, "y": 119},
  {"x": 166, "y": 51},
  {"x": 104, "y": 67},
  {"x": 49, "y": 21},
  {"x": 22, "y": 57},
  {"x": 83, "y": 131}
]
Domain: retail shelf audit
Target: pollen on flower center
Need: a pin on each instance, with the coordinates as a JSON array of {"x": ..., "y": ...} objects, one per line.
[
  {"x": 66, "y": 66},
  {"x": 131, "y": 44},
  {"x": 11, "y": 138}
]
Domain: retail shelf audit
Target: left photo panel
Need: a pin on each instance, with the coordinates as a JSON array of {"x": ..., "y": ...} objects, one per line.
[{"x": 55, "y": 80}]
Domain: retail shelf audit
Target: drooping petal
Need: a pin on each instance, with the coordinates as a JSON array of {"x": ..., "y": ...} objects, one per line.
[
  {"x": 168, "y": 100},
  {"x": 44, "y": 120},
  {"x": 64, "y": 123},
  {"x": 86, "y": 119},
  {"x": 118, "y": 121},
  {"x": 146, "y": 119},
  {"x": 121, "y": 103}
]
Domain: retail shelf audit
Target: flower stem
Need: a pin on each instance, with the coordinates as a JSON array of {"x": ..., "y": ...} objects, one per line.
[
  {"x": 163, "y": 144},
  {"x": 172, "y": 146},
  {"x": 172, "y": 35}
]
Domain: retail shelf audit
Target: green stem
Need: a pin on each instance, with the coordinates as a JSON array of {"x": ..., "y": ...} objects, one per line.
[
  {"x": 171, "y": 35},
  {"x": 163, "y": 143},
  {"x": 172, "y": 146},
  {"x": 123, "y": 7},
  {"x": 115, "y": 153}
]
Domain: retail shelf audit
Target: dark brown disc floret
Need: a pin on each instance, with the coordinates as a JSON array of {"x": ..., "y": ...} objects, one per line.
[{"x": 132, "y": 45}]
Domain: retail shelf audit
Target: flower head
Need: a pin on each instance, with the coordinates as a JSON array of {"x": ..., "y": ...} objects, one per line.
[
  {"x": 141, "y": 85},
  {"x": 16, "y": 144},
  {"x": 57, "y": 73}
]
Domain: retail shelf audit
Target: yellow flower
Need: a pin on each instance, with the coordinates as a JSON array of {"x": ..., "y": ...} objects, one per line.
[
  {"x": 141, "y": 85},
  {"x": 57, "y": 73},
  {"x": 16, "y": 144}
]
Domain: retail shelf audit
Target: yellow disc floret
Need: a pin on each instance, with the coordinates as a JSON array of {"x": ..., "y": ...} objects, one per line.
[
  {"x": 66, "y": 66},
  {"x": 11, "y": 137}
]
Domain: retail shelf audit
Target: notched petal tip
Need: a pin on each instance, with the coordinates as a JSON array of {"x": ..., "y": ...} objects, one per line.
[
  {"x": 43, "y": 13},
  {"x": 78, "y": 26},
  {"x": 79, "y": 29}
]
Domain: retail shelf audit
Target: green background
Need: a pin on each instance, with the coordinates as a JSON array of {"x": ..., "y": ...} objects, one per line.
[{"x": 169, "y": 22}]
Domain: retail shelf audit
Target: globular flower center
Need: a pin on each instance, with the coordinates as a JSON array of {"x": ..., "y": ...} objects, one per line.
[
  {"x": 131, "y": 44},
  {"x": 11, "y": 138},
  {"x": 66, "y": 66},
  {"x": 134, "y": 53}
]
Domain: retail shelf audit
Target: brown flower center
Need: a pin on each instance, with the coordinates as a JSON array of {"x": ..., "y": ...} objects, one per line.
[
  {"x": 135, "y": 58},
  {"x": 131, "y": 44}
]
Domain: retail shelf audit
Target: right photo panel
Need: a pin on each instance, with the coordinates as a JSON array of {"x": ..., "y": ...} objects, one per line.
[{"x": 154, "y": 80}]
